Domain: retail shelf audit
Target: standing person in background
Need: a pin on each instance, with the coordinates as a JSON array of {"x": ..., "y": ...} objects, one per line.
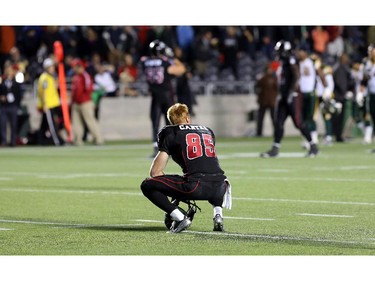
[
  {"x": 360, "y": 115},
  {"x": 128, "y": 74},
  {"x": 104, "y": 83},
  {"x": 307, "y": 81},
  {"x": 324, "y": 91},
  {"x": 159, "y": 70},
  {"x": 203, "y": 51},
  {"x": 289, "y": 101},
  {"x": 266, "y": 90},
  {"x": 48, "y": 102},
  {"x": 344, "y": 85},
  {"x": 183, "y": 91},
  {"x": 82, "y": 105},
  {"x": 192, "y": 147},
  {"x": 369, "y": 77},
  {"x": 10, "y": 101}
]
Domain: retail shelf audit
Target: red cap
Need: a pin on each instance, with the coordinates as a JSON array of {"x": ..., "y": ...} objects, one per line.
[{"x": 77, "y": 62}]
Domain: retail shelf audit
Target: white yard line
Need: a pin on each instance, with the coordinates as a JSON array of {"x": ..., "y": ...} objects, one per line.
[
  {"x": 274, "y": 170},
  {"x": 344, "y": 168},
  {"x": 257, "y": 155},
  {"x": 308, "y": 179},
  {"x": 62, "y": 224},
  {"x": 326, "y": 215},
  {"x": 242, "y": 218},
  {"x": 279, "y": 200},
  {"x": 69, "y": 175},
  {"x": 6, "y": 229},
  {"x": 149, "y": 221},
  {"x": 241, "y": 176},
  {"x": 71, "y": 191}
]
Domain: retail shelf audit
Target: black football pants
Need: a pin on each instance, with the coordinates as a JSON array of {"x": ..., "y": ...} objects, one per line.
[{"x": 158, "y": 189}]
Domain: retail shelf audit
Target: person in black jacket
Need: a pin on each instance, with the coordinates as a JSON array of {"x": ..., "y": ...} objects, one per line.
[
  {"x": 10, "y": 100},
  {"x": 344, "y": 84}
]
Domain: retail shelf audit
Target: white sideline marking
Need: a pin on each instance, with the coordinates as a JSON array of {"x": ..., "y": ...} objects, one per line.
[
  {"x": 343, "y": 168},
  {"x": 304, "y": 201},
  {"x": 71, "y": 175},
  {"x": 303, "y": 179},
  {"x": 140, "y": 194},
  {"x": 62, "y": 224},
  {"x": 242, "y": 218},
  {"x": 73, "y": 191},
  {"x": 257, "y": 155},
  {"x": 6, "y": 229},
  {"x": 274, "y": 170},
  {"x": 5, "y": 179},
  {"x": 326, "y": 215},
  {"x": 275, "y": 237},
  {"x": 149, "y": 221},
  {"x": 85, "y": 175}
]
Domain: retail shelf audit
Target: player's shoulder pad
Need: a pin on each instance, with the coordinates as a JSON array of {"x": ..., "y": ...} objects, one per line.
[{"x": 166, "y": 130}]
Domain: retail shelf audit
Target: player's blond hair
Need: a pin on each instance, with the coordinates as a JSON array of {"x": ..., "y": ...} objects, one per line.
[{"x": 177, "y": 113}]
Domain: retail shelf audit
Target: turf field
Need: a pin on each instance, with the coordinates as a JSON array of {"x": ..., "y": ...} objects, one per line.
[{"x": 86, "y": 201}]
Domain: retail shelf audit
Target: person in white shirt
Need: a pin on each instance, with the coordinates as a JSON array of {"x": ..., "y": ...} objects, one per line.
[
  {"x": 324, "y": 91},
  {"x": 104, "y": 83},
  {"x": 306, "y": 83},
  {"x": 369, "y": 77}
]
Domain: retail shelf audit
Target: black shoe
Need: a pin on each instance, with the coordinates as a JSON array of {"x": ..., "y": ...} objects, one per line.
[
  {"x": 178, "y": 226},
  {"x": 273, "y": 152},
  {"x": 218, "y": 223},
  {"x": 313, "y": 151}
]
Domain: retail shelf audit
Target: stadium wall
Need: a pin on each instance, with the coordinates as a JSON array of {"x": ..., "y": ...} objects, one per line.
[{"x": 127, "y": 118}]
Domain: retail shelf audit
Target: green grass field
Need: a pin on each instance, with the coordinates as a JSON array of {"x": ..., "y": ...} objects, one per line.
[{"x": 87, "y": 201}]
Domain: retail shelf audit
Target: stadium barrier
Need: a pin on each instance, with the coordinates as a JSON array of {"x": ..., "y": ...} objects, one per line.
[{"x": 127, "y": 118}]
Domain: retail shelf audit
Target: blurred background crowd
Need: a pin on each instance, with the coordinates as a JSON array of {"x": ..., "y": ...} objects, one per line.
[
  {"x": 212, "y": 53},
  {"x": 219, "y": 59}
]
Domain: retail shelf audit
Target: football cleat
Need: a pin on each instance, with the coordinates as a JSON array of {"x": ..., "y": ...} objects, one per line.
[
  {"x": 273, "y": 152},
  {"x": 218, "y": 223},
  {"x": 313, "y": 151},
  {"x": 192, "y": 209},
  {"x": 178, "y": 226}
]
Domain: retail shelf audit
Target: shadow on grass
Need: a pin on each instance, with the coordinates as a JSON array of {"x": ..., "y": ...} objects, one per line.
[{"x": 323, "y": 242}]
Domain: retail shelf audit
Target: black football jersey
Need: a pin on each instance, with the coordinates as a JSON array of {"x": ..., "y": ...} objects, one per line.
[
  {"x": 288, "y": 76},
  {"x": 157, "y": 77},
  {"x": 192, "y": 147}
]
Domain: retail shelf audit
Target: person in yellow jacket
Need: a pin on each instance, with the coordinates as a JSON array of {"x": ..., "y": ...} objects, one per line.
[{"x": 48, "y": 102}]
